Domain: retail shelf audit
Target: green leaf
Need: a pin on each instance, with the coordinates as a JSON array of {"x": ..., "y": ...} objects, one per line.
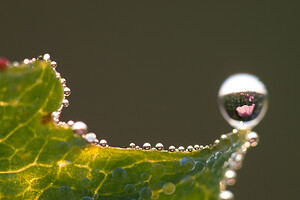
[{"x": 42, "y": 160}]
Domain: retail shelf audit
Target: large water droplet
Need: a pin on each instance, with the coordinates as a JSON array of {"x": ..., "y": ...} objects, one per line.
[{"x": 243, "y": 100}]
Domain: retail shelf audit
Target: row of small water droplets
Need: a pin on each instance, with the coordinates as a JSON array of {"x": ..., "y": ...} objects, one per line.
[
  {"x": 79, "y": 127},
  {"x": 235, "y": 163}
]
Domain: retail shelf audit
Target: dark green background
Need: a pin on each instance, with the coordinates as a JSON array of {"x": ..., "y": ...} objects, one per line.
[{"x": 149, "y": 71}]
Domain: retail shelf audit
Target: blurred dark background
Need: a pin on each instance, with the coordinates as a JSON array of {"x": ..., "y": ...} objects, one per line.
[{"x": 149, "y": 71}]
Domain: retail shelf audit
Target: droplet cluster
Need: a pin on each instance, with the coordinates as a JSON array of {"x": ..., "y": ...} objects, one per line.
[{"x": 235, "y": 114}]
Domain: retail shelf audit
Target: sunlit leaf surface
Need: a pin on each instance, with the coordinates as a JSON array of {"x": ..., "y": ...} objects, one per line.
[{"x": 41, "y": 160}]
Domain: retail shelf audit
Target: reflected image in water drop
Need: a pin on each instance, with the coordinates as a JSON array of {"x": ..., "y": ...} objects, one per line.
[{"x": 243, "y": 100}]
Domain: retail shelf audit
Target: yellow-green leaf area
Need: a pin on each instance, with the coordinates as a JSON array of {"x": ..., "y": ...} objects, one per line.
[{"x": 41, "y": 160}]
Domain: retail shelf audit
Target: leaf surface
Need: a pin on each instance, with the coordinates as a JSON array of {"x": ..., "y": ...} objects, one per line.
[{"x": 42, "y": 160}]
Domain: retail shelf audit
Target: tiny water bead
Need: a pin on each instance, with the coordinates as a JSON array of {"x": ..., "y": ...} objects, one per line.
[
  {"x": 63, "y": 81},
  {"x": 253, "y": 138},
  {"x": 181, "y": 149},
  {"x": 90, "y": 137},
  {"x": 65, "y": 102},
  {"x": 172, "y": 149},
  {"x": 196, "y": 147},
  {"x": 80, "y": 128},
  {"x": 159, "y": 146},
  {"x": 190, "y": 148},
  {"x": 46, "y": 57},
  {"x": 226, "y": 195},
  {"x": 54, "y": 64},
  {"x": 147, "y": 146},
  {"x": 132, "y": 145},
  {"x": 103, "y": 143},
  {"x": 243, "y": 100},
  {"x": 67, "y": 91}
]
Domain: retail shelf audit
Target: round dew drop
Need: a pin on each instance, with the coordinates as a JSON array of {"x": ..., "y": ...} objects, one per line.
[
  {"x": 147, "y": 146},
  {"x": 90, "y": 137},
  {"x": 54, "y": 64},
  {"x": 190, "y": 148},
  {"x": 172, "y": 148},
  {"x": 243, "y": 100},
  {"x": 65, "y": 103},
  {"x": 169, "y": 188},
  {"x": 181, "y": 149},
  {"x": 196, "y": 147},
  {"x": 103, "y": 143},
  {"x": 79, "y": 128},
  {"x": 132, "y": 145},
  {"x": 67, "y": 91},
  {"x": 159, "y": 146}
]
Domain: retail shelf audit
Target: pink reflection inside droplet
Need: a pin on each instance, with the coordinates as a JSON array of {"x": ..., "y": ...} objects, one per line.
[{"x": 245, "y": 111}]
